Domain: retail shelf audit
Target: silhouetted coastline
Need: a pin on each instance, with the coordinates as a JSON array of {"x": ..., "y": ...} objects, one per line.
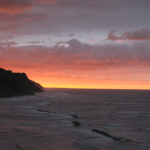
[{"x": 16, "y": 84}]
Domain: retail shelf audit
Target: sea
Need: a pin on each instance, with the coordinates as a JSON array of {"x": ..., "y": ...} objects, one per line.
[{"x": 80, "y": 119}]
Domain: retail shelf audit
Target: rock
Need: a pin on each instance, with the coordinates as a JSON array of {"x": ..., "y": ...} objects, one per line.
[
  {"x": 16, "y": 84},
  {"x": 42, "y": 110},
  {"x": 19, "y": 147},
  {"x": 76, "y": 123},
  {"x": 37, "y": 84},
  {"x": 75, "y": 116},
  {"x": 111, "y": 136}
]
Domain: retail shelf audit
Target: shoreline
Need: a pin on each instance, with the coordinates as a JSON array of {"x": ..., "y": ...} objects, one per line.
[
  {"x": 23, "y": 126},
  {"x": 46, "y": 121}
]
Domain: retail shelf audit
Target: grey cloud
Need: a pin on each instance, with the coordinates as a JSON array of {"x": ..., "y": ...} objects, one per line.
[
  {"x": 6, "y": 38},
  {"x": 8, "y": 3},
  {"x": 35, "y": 42},
  {"x": 80, "y": 56},
  {"x": 100, "y": 4},
  {"x": 139, "y": 35},
  {"x": 15, "y": 6},
  {"x": 10, "y": 27},
  {"x": 48, "y": 1},
  {"x": 22, "y": 17},
  {"x": 8, "y": 44},
  {"x": 110, "y": 53},
  {"x": 69, "y": 16},
  {"x": 77, "y": 15},
  {"x": 74, "y": 43},
  {"x": 71, "y": 35}
]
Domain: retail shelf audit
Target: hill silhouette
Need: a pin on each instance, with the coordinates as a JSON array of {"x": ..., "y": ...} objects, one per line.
[{"x": 16, "y": 84}]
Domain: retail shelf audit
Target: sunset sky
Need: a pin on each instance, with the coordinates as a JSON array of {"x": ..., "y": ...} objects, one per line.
[{"x": 77, "y": 43}]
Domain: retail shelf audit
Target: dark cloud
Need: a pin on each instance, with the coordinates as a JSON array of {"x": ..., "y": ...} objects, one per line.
[
  {"x": 48, "y": 1},
  {"x": 6, "y": 38},
  {"x": 138, "y": 35},
  {"x": 74, "y": 43},
  {"x": 10, "y": 27},
  {"x": 103, "y": 4},
  {"x": 35, "y": 42},
  {"x": 71, "y": 35},
  {"x": 15, "y": 6},
  {"x": 100, "y": 16},
  {"x": 25, "y": 17},
  {"x": 21, "y": 24},
  {"x": 74, "y": 16}
]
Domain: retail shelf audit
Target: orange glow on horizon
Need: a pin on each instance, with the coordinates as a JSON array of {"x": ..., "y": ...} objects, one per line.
[
  {"x": 72, "y": 81},
  {"x": 99, "y": 87},
  {"x": 83, "y": 83}
]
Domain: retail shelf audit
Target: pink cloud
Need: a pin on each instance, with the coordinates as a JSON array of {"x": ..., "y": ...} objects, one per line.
[
  {"x": 15, "y": 6},
  {"x": 9, "y": 27},
  {"x": 15, "y": 32},
  {"x": 77, "y": 56},
  {"x": 137, "y": 35}
]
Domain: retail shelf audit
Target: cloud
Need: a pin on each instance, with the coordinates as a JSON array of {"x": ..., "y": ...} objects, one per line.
[
  {"x": 137, "y": 35},
  {"x": 15, "y": 6},
  {"x": 102, "y": 4},
  {"x": 48, "y": 1},
  {"x": 25, "y": 17},
  {"x": 6, "y": 38},
  {"x": 8, "y": 27},
  {"x": 35, "y": 42},
  {"x": 88, "y": 32},
  {"x": 77, "y": 56},
  {"x": 71, "y": 35},
  {"x": 7, "y": 44},
  {"x": 77, "y": 16},
  {"x": 74, "y": 44}
]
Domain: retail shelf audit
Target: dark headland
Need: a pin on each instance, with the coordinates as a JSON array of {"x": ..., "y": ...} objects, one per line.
[{"x": 17, "y": 84}]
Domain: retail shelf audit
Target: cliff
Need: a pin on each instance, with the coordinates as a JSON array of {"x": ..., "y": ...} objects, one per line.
[{"x": 16, "y": 84}]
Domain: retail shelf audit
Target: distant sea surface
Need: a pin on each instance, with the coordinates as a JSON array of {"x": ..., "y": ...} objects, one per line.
[
  {"x": 120, "y": 113},
  {"x": 77, "y": 119}
]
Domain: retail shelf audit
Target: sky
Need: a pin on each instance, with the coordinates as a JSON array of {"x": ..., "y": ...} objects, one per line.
[{"x": 77, "y": 43}]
